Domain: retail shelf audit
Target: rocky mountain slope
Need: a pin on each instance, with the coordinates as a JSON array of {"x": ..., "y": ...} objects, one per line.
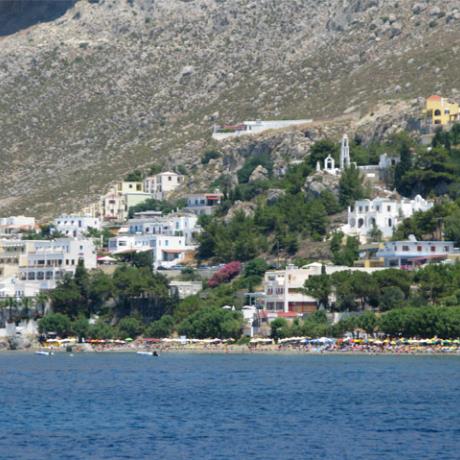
[{"x": 114, "y": 84}]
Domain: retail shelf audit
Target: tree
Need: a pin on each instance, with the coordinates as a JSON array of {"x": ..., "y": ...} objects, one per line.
[
  {"x": 101, "y": 330},
  {"x": 187, "y": 307},
  {"x": 161, "y": 328},
  {"x": 55, "y": 322},
  {"x": 452, "y": 227},
  {"x": 344, "y": 254},
  {"x": 80, "y": 327},
  {"x": 404, "y": 165},
  {"x": 317, "y": 219},
  {"x": 330, "y": 202},
  {"x": 255, "y": 267},
  {"x": 210, "y": 322},
  {"x": 134, "y": 176},
  {"x": 129, "y": 327},
  {"x": 350, "y": 186},
  {"x": 392, "y": 297},
  {"x": 278, "y": 328},
  {"x": 100, "y": 290},
  {"x": 67, "y": 299},
  {"x": 319, "y": 287},
  {"x": 375, "y": 234},
  {"x": 82, "y": 281},
  {"x": 368, "y": 321}
]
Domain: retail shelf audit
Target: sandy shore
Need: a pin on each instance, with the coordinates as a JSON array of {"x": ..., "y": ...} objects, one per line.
[{"x": 244, "y": 349}]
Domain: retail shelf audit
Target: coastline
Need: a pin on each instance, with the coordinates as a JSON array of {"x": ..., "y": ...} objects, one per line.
[{"x": 239, "y": 349}]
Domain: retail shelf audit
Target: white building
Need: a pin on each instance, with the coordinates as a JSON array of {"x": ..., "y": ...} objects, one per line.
[
  {"x": 76, "y": 226},
  {"x": 116, "y": 202},
  {"x": 382, "y": 213},
  {"x": 185, "y": 288},
  {"x": 412, "y": 253},
  {"x": 31, "y": 266},
  {"x": 253, "y": 127},
  {"x": 17, "y": 224},
  {"x": 283, "y": 289},
  {"x": 178, "y": 224},
  {"x": 167, "y": 250},
  {"x": 203, "y": 203},
  {"x": 113, "y": 206},
  {"x": 160, "y": 185}
]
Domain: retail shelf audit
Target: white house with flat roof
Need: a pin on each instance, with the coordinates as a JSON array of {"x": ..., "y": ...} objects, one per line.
[
  {"x": 381, "y": 213},
  {"x": 162, "y": 184},
  {"x": 283, "y": 289},
  {"x": 253, "y": 127},
  {"x": 177, "y": 223},
  {"x": 411, "y": 253},
  {"x": 167, "y": 250},
  {"x": 185, "y": 289},
  {"x": 203, "y": 203},
  {"x": 17, "y": 224},
  {"x": 38, "y": 265},
  {"x": 76, "y": 226}
]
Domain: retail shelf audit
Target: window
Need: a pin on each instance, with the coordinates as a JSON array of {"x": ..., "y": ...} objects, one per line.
[
  {"x": 405, "y": 248},
  {"x": 390, "y": 223},
  {"x": 269, "y": 291},
  {"x": 446, "y": 248},
  {"x": 419, "y": 248},
  {"x": 389, "y": 208},
  {"x": 437, "y": 113},
  {"x": 433, "y": 248},
  {"x": 169, "y": 178}
]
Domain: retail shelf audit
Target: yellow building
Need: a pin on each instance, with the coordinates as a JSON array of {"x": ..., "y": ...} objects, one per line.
[
  {"x": 441, "y": 111},
  {"x": 131, "y": 187}
]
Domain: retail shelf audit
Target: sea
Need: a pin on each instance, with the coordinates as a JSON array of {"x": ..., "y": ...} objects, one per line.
[{"x": 229, "y": 406}]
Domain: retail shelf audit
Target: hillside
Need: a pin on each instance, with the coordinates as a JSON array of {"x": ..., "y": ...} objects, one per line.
[{"x": 111, "y": 85}]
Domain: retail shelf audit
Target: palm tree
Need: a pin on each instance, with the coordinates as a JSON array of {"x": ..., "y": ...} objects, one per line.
[{"x": 41, "y": 300}]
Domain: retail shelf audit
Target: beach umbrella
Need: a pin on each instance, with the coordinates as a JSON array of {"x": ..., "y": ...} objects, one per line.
[{"x": 128, "y": 339}]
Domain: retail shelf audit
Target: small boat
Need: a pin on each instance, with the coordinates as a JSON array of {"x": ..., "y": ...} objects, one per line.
[
  {"x": 44, "y": 353},
  {"x": 147, "y": 353}
]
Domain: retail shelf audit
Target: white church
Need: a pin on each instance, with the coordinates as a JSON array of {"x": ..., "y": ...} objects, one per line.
[
  {"x": 329, "y": 162},
  {"x": 384, "y": 214}
]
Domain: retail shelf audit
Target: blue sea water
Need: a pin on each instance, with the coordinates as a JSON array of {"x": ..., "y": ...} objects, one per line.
[{"x": 183, "y": 406}]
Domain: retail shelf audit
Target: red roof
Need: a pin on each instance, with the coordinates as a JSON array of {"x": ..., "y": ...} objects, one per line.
[
  {"x": 434, "y": 97},
  {"x": 287, "y": 314}
]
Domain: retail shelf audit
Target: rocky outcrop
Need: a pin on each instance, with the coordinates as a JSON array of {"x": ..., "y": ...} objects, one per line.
[
  {"x": 321, "y": 181},
  {"x": 109, "y": 87},
  {"x": 259, "y": 173},
  {"x": 247, "y": 208}
]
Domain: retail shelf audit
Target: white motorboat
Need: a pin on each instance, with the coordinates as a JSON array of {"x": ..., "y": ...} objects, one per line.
[
  {"x": 145, "y": 353},
  {"x": 44, "y": 353}
]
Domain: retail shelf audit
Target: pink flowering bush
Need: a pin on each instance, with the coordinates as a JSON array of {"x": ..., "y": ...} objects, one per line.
[{"x": 225, "y": 274}]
